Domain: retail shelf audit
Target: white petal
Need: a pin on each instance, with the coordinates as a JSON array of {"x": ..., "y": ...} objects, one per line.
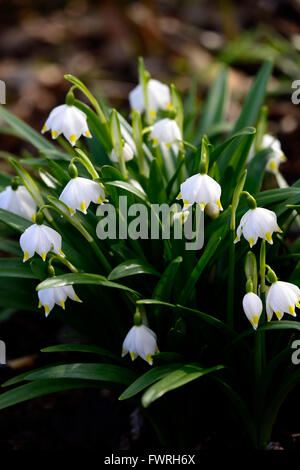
[
  {"x": 29, "y": 241},
  {"x": 136, "y": 99}
]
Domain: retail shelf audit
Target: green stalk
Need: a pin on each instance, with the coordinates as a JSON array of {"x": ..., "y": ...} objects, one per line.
[
  {"x": 86, "y": 162},
  {"x": 78, "y": 83},
  {"x": 138, "y": 140},
  {"x": 259, "y": 343},
  {"x": 143, "y": 79},
  {"x": 64, "y": 261},
  {"x": 231, "y": 276},
  {"x": 231, "y": 270}
]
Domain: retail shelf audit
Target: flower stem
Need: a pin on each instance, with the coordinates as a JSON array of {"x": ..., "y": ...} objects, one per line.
[
  {"x": 86, "y": 162},
  {"x": 63, "y": 261},
  {"x": 230, "y": 285},
  {"x": 259, "y": 342}
]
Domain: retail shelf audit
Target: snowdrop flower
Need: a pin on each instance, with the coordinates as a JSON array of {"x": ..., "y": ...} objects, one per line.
[
  {"x": 166, "y": 131},
  {"x": 140, "y": 341},
  {"x": 18, "y": 201},
  {"x": 282, "y": 297},
  {"x": 40, "y": 239},
  {"x": 253, "y": 307},
  {"x": 159, "y": 97},
  {"x": 56, "y": 295},
  {"x": 127, "y": 152},
  {"x": 257, "y": 222},
  {"x": 275, "y": 158},
  {"x": 80, "y": 192},
  {"x": 201, "y": 189},
  {"x": 69, "y": 121}
]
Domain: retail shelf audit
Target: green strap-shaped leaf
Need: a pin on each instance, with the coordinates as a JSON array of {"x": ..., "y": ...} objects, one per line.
[
  {"x": 83, "y": 278},
  {"x": 164, "y": 286},
  {"x": 130, "y": 188},
  {"x": 14, "y": 267},
  {"x": 86, "y": 371},
  {"x": 147, "y": 379},
  {"x": 131, "y": 268},
  {"x": 14, "y": 221},
  {"x": 255, "y": 98},
  {"x": 215, "y": 105},
  {"x": 176, "y": 379},
  {"x": 24, "y": 131},
  {"x": 204, "y": 317},
  {"x": 88, "y": 348},
  {"x": 42, "y": 387}
]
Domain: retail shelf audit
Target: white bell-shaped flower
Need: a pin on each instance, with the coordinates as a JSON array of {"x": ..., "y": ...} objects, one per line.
[
  {"x": 159, "y": 97},
  {"x": 258, "y": 222},
  {"x": 56, "y": 295},
  {"x": 167, "y": 132},
  {"x": 80, "y": 192},
  {"x": 69, "y": 121},
  {"x": 127, "y": 152},
  {"x": 253, "y": 308},
  {"x": 40, "y": 239},
  {"x": 282, "y": 297},
  {"x": 19, "y": 201},
  {"x": 140, "y": 341},
  {"x": 201, "y": 189},
  {"x": 277, "y": 156}
]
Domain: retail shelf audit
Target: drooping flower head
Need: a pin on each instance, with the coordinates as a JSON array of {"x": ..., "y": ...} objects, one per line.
[
  {"x": 277, "y": 156},
  {"x": 282, "y": 297},
  {"x": 40, "y": 239},
  {"x": 69, "y": 121},
  {"x": 140, "y": 341},
  {"x": 127, "y": 152},
  {"x": 257, "y": 223},
  {"x": 19, "y": 201},
  {"x": 167, "y": 132},
  {"x": 159, "y": 97},
  {"x": 56, "y": 295},
  {"x": 80, "y": 192},
  {"x": 253, "y": 308},
  {"x": 202, "y": 189}
]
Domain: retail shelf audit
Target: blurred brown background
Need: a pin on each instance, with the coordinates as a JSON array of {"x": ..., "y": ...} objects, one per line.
[{"x": 185, "y": 42}]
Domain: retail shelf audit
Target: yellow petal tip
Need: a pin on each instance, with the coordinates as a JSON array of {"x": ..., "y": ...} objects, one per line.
[{"x": 149, "y": 359}]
